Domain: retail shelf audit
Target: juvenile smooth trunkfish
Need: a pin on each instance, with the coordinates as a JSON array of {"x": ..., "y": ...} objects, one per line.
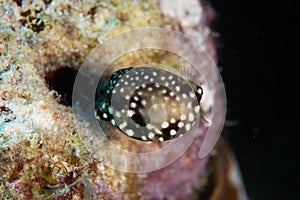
[{"x": 149, "y": 104}]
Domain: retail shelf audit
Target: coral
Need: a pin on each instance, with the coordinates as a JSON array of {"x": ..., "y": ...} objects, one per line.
[{"x": 41, "y": 154}]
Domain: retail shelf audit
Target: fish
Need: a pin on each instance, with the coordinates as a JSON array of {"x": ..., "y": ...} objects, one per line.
[{"x": 149, "y": 104}]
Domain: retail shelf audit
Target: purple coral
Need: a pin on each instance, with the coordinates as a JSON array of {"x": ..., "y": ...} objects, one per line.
[{"x": 101, "y": 190}]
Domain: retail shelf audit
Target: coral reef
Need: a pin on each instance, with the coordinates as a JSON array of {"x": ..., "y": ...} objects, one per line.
[{"x": 41, "y": 154}]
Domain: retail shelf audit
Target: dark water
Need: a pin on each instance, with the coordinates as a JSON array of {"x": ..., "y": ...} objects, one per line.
[{"x": 261, "y": 80}]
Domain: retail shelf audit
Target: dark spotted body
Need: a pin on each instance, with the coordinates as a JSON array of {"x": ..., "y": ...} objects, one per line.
[{"x": 150, "y": 104}]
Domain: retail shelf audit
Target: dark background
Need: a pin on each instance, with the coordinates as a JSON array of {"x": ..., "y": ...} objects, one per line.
[{"x": 258, "y": 56}]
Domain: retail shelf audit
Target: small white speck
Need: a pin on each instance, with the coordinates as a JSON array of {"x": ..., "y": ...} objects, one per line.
[
  {"x": 126, "y": 83},
  {"x": 151, "y": 79},
  {"x": 136, "y": 98},
  {"x": 114, "y": 91},
  {"x": 173, "y": 132},
  {"x": 150, "y": 88},
  {"x": 127, "y": 76},
  {"x": 133, "y": 83},
  {"x": 180, "y": 124},
  {"x": 177, "y": 98},
  {"x": 110, "y": 110},
  {"x": 127, "y": 97},
  {"x": 167, "y": 84},
  {"x": 197, "y": 109},
  {"x": 191, "y": 117},
  {"x": 123, "y": 125},
  {"x": 133, "y": 105},
  {"x": 129, "y": 132},
  {"x": 170, "y": 77},
  {"x": 187, "y": 127},
  {"x": 165, "y": 125},
  {"x": 157, "y": 85},
  {"x": 183, "y": 117},
  {"x": 177, "y": 88},
  {"x": 113, "y": 122},
  {"x": 192, "y": 94},
  {"x": 140, "y": 93},
  {"x": 161, "y": 139},
  {"x": 167, "y": 98},
  {"x": 154, "y": 73},
  {"x": 162, "y": 78},
  {"x": 143, "y": 102},
  {"x": 172, "y": 94},
  {"x": 144, "y": 137},
  {"x": 164, "y": 91},
  {"x": 173, "y": 82},
  {"x": 118, "y": 84},
  {"x": 184, "y": 95},
  {"x": 143, "y": 85},
  {"x": 131, "y": 78},
  {"x": 122, "y": 90},
  {"x": 130, "y": 113},
  {"x": 137, "y": 78},
  {"x": 146, "y": 77},
  {"x": 149, "y": 126},
  {"x": 158, "y": 131},
  {"x": 172, "y": 120},
  {"x": 117, "y": 114},
  {"x": 104, "y": 115},
  {"x": 189, "y": 105},
  {"x": 151, "y": 135}
]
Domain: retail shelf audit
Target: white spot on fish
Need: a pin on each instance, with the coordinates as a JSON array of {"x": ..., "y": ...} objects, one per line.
[
  {"x": 130, "y": 113},
  {"x": 183, "y": 117},
  {"x": 165, "y": 125},
  {"x": 144, "y": 137},
  {"x": 123, "y": 125},
  {"x": 117, "y": 114},
  {"x": 197, "y": 109},
  {"x": 191, "y": 117},
  {"x": 180, "y": 124},
  {"x": 151, "y": 135},
  {"x": 130, "y": 132},
  {"x": 172, "y": 120},
  {"x": 173, "y": 132},
  {"x": 187, "y": 127},
  {"x": 133, "y": 105},
  {"x": 136, "y": 98}
]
